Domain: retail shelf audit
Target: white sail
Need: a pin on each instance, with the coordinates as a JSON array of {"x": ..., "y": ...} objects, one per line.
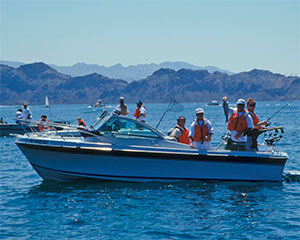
[{"x": 47, "y": 102}]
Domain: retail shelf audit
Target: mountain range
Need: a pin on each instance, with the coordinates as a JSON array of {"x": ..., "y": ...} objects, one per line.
[
  {"x": 32, "y": 82},
  {"x": 130, "y": 73}
]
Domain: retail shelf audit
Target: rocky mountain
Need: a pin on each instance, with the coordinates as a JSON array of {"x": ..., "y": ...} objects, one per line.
[
  {"x": 32, "y": 82},
  {"x": 130, "y": 73}
]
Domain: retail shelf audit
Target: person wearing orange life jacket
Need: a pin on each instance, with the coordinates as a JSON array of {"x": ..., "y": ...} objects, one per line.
[
  {"x": 43, "y": 125},
  {"x": 200, "y": 132},
  {"x": 239, "y": 122},
  {"x": 250, "y": 107},
  {"x": 140, "y": 112},
  {"x": 81, "y": 123},
  {"x": 180, "y": 132}
]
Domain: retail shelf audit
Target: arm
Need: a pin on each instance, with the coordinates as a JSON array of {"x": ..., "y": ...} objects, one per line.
[
  {"x": 191, "y": 135},
  {"x": 176, "y": 133}
]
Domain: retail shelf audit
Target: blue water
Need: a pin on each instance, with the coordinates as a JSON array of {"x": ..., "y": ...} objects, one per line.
[{"x": 34, "y": 209}]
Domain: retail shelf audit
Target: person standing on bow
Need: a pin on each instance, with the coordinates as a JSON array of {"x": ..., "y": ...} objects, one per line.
[
  {"x": 121, "y": 109},
  {"x": 19, "y": 116},
  {"x": 250, "y": 107},
  {"x": 239, "y": 121},
  {"x": 180, "y": 132},
  {"x": 201, "y": 132},
  {"x": 27, "y": 113},
  {"x": 140, "y": 112}
]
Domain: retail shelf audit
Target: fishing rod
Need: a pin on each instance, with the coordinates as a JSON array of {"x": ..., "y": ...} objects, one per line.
[
  {"x": 281, "y": 109},
  {"x": 171, "y": 106}
]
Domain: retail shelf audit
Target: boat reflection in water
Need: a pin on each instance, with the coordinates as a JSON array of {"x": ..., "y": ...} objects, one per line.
[{"x": 120, "y": 148}]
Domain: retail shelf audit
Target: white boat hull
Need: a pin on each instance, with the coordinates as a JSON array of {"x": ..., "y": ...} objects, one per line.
[{"x": 71, "y": 163}]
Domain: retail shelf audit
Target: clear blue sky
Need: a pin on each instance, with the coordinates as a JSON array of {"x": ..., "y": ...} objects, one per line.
[{"x": 235, "y": 35}]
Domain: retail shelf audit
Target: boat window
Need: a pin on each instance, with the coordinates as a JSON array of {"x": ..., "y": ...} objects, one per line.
[
  {"x": 101, "y": 119},
  {"x": 124, "y": 126}
]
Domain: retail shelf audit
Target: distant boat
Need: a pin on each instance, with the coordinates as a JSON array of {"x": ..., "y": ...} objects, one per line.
[
  {"x": 47, "y": 102},
  {"x": 12, "y": 128},
  {"x": 97, "y": 104},
  {"x": 213, "y": 103}
]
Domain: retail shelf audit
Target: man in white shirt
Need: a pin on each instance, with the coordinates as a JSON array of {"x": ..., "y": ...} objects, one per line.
[
  {"x": 140, "y": 112},
  {"x": 239, "y": 121},
  {"x": 201, "y": 132},
  {"x": 27, "y": 113},
  {"x": 19, "y": 116}
]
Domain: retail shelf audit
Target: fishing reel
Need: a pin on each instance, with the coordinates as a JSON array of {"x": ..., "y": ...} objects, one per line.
[
  {"x": 226, "y": 137},
  {"x": 274, "y": 136}
]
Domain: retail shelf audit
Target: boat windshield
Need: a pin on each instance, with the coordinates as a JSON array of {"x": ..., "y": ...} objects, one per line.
[
  {"x": 101, "y": 119},
  {"x": 128, "y": 127}
]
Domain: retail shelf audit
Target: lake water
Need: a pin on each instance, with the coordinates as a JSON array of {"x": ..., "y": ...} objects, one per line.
[{"x": 34, "y": 209}]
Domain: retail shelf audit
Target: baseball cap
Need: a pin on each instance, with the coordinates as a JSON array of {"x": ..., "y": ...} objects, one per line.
[
  {"x": 199, "y": 110},
  {"x": 241, "y": 102}
]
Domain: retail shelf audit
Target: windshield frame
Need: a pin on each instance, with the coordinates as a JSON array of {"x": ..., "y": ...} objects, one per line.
[{"x": 110, "y": 115}]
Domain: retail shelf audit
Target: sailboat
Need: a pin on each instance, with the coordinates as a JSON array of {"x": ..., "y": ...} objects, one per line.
[{"x": 47, "y": 102}]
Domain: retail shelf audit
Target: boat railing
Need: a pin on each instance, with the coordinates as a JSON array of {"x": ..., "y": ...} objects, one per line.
[
  {"x": 57, "y": 133},
  {"x": 271, "y": 135}
]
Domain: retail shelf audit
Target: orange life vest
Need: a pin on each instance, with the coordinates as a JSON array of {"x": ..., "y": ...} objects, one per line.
[
  {"x": 137, "y": 112},
  {"x": 42, "y": 127},
  {"x": 255, "y": 119},
  {"x": 202, "y": 132},
  {"x": 184, "y": 138},
  {"x": 238, "y": 123},
  {"x": 82, "y": 123}
]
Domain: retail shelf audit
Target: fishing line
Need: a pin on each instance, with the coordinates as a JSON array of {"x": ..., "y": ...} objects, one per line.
[{"x": 281, "y": 109}]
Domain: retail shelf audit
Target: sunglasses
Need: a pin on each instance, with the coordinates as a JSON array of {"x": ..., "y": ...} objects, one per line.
[{"x": 252, "y": 105}]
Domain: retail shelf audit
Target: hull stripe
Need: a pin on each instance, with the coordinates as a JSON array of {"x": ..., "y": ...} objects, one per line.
[{"x": 163, "y": 156}]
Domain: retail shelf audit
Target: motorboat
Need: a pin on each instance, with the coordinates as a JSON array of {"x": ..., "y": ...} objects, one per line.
[
  {"x": 97, "y": 104},
  {"x": 124, "y": 149},
  {"x": 7, "y": 129},
  {"x": 213, "y": 103},
  {"x": 30, "y": 126}
]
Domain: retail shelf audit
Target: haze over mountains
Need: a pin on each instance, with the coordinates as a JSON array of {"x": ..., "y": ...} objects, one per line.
[
  {"x": 130, "y": 73},
  {"x": 32, "y": 82}
]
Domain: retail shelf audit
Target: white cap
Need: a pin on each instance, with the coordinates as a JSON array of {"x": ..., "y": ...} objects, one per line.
[
  {"x": 241, "y": 102},
  {"x": 121, "y": 98},
  {"x": 199, "y": 110}
]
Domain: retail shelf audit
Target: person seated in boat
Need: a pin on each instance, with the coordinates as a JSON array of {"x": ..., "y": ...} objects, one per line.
[
  {"x": 180, "y": 132},
  {"x": 43, "y": 125},
  {"x": 27, "y": 113},
  {"x": 121, "y": 109},
  {"x": 81, "y": 123},
  {"x": 140, "y": 112},
  {"x": 1, "y": 120},
  {"x": 250, "y": 107},
  {"x": 200, "y": 132},
  {"x": 19, "y": 116},
  {"x": 239, "y": 123}
]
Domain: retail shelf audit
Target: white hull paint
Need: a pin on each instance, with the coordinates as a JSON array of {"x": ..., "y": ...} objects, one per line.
[
  {"x": 68, "y": 166},
  {"x": 129, "y": 150}
]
